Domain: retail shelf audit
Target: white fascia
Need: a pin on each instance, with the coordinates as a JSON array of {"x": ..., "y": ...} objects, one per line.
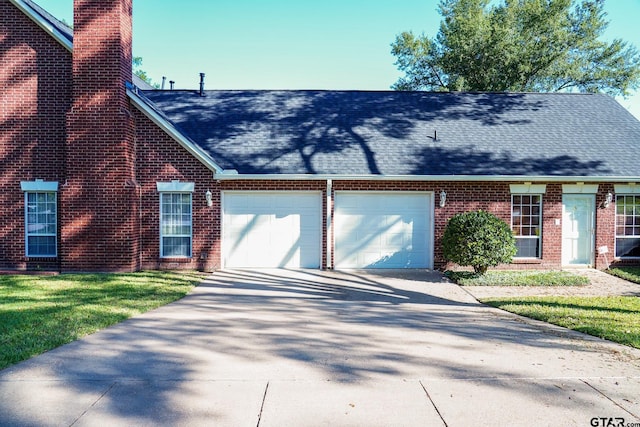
[
  {"x": 451, "y": 178},
  {"x": 174, "y": 133},
  {"x": 35, "y": 17}
]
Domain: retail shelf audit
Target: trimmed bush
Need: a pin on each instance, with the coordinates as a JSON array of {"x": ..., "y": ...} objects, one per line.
[{"x": 478, "y": 239}]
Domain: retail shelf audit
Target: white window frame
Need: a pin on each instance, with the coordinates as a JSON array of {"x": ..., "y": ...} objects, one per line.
[
  {"x": 539, "y": 236},
  {"x": 169, "y": 189},
  {"x": 35, "y": 188},
  {"x": 636, "y": 215}
]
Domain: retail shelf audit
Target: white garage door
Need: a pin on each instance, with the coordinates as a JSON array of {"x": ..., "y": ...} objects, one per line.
[
  {"x": 271, "y": 229},
  {"x": 383, "y": 230}
]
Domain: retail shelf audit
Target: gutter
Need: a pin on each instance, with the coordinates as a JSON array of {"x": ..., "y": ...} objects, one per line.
[
  {"x": 45, "y": 25},
  {"x": 232, "y": 175}
]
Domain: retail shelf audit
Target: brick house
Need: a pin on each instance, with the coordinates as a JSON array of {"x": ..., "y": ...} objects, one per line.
[{"x": 99, "y": 173}]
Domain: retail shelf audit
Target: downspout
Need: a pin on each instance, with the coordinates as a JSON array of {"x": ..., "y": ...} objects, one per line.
[
  {"x": 140, "y": 219},
  {"x": 329, "y": 266}
]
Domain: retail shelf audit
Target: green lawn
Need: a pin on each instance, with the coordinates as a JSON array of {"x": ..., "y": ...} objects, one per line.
[
  {"x": 38, "y": 313},
  {"x": 517, "y": 278},
  {"x": 616, "y": 318}
]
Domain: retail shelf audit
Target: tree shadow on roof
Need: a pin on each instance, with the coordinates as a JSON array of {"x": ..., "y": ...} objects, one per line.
[
  {"x": 469, "y": 160},
  {"x": 312, "y": 132}
]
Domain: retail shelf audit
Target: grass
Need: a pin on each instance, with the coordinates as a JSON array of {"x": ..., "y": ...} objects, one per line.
[
  {"x": 615, "y": 318},
  {"x": 39, "y": 313},
  {"x": 517, "y": 278},
  {"x": 631, "y": 274}
]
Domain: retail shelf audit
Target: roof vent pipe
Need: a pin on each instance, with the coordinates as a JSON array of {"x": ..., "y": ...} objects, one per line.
[
  {"x": 171, "y": 83},
  {"x": 201, "y": 84},
  {"x": 164, "y": 79}
]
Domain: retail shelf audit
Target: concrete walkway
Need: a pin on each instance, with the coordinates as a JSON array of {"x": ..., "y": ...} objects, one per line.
[{"x": 278, "y": 348}]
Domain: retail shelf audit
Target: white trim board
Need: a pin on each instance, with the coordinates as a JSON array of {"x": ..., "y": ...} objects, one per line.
[
  {"x": 175, "y": 187},
  {"x": 627, "y": 189},
  {"x": 579, "y": 188},
  {"x": 39, "y": 185}
]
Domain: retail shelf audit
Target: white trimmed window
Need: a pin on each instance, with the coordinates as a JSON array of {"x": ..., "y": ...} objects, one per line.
[
  {"x": 41, "y": 218},
  {"x": 526, "y": 224},
  {"x": 628, "y": 225},
  {"x": 175, "y": 219}
]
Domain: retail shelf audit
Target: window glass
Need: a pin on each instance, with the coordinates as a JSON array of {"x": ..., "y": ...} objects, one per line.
[
  {"x": 526, "y": 213},
  {"x": 41, "y": 224},
  {"x": 627, "y": 226},
  {"x": 175, "y": 224}
]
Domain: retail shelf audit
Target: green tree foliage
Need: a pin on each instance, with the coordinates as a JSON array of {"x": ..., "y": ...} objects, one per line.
[
  {"x": 478, "y": 239},
  {"x": 137, "y": 63},
  {"x": 518, "y": 46}
]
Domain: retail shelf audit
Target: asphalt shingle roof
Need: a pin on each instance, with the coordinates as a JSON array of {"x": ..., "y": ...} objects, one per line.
[
  {"x": 402, "y": 133},
  {"x": 408, "y": 133}
]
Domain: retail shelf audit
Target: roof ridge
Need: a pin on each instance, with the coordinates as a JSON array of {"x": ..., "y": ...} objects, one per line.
[{"x": 389, "y": 91}]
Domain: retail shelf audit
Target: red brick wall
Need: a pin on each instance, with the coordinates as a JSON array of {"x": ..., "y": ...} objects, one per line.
[
  {"x": 162, "y": 159},
  {"x": 108, "y": 202},
  {"x": 495, "y": 197},
  {"x": 35, "y": 77},
  {"x": 606, "y": 228},
  {"x": 551, "y": 232}
]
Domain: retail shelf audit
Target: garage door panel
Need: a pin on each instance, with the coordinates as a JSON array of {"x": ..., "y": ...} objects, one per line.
[
  {"x": 396, "y": 241},
  {"x": 264, "y": 229},
  {"x": 382, "y": 230}
]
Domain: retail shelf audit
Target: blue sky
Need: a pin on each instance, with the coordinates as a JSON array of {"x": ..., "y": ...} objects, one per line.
[{"x": 284, "y": 44}]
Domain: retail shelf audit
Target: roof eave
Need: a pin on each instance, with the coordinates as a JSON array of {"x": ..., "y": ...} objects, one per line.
[
  {"x": 45, "y": 25},
  {"x": 452, "y": 178},
  {"x": 174, "y": 133}
]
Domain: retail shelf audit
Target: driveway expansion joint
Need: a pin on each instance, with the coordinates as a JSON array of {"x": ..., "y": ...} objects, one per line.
[{"x": 113, "y": 384}]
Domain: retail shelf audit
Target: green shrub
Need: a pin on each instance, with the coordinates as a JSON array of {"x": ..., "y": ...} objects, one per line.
[{"x": 478, "y": 239}]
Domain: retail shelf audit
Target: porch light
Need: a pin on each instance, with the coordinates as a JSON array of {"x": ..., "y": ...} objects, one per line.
[
  {"x": 209, "y": 198},
  {"x": 608, "y": 199},
  {"x": 443, "y": 198}
]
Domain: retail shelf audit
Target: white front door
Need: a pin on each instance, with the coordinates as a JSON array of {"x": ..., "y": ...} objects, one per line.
[
  {"x": 577, "y": 229},
  {"x": 271, "y": 229}
]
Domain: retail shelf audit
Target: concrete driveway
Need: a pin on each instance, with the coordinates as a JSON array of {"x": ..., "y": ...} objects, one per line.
[{"x": 312, "y": 348}]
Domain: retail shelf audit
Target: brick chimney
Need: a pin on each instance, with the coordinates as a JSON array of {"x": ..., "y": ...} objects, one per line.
[{"x": 99, "y": 200}]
